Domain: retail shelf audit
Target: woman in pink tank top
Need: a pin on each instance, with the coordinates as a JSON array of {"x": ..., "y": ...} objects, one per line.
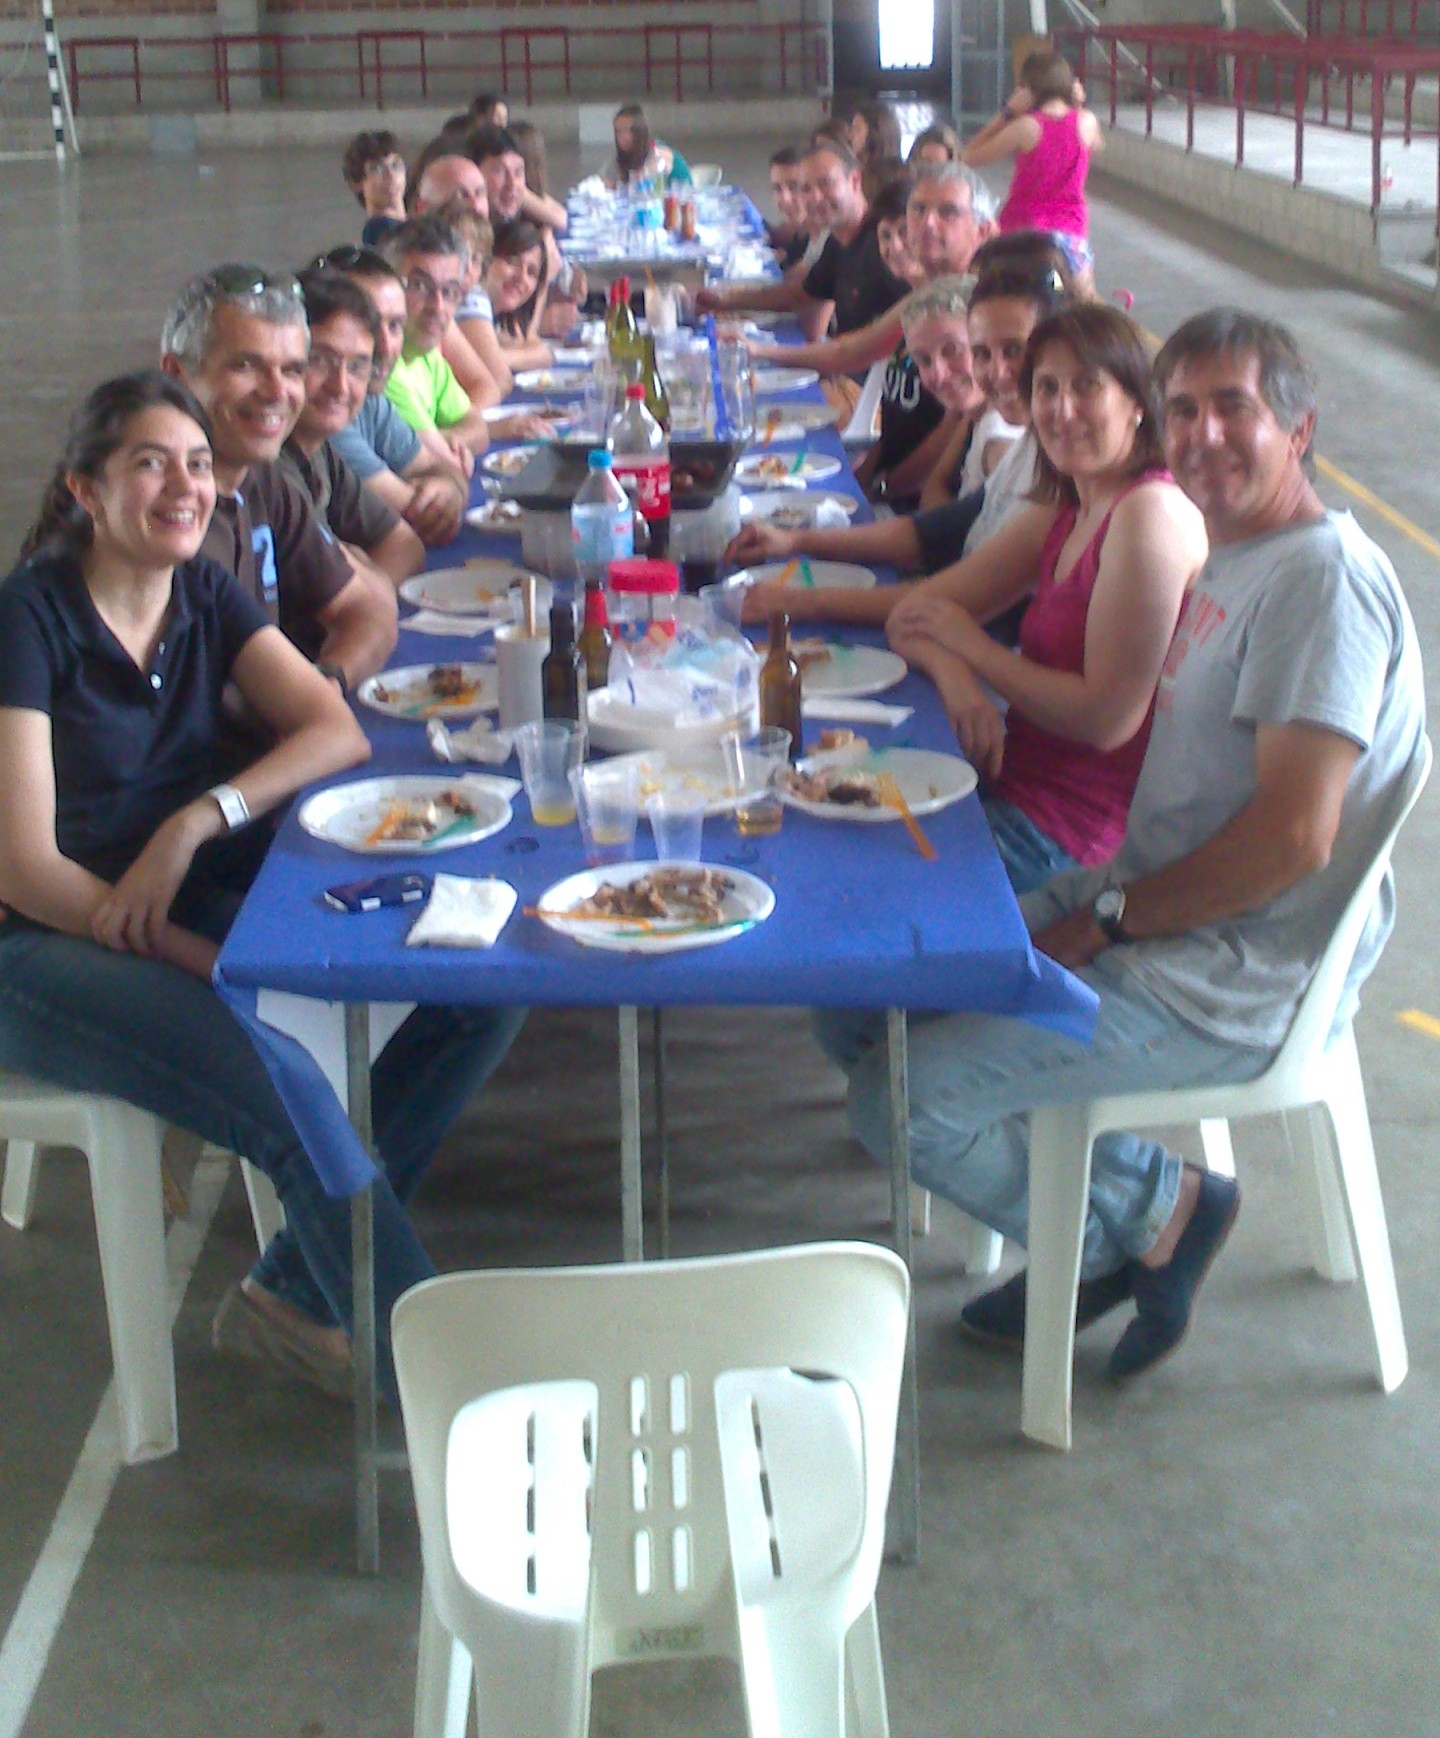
[
  {"x": 1107, "y": 549},
  {"x": 1047, "y": 129}
]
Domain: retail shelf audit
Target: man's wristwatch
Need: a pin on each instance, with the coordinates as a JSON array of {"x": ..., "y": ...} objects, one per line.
[
  {"x": 336, "y": 674},
  {"x": 234, "y": 810},
  {"x": 1109, "y": 912}
]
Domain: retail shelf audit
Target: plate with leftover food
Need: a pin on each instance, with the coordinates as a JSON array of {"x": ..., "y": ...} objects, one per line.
[
  {"x": 480, "y": 588},
  {"x": 788, "y": 511},
  {"x": 432, "y": 691},
  {"x": 785, "y": 470},
  {"x": 656, "y": 907},
  {"x": 805, "y": 571},
  {"x": 552, "y": 379},
  {"x": 508, "y": 461},
  {"x": 784, "y": 379},
  {"x": 700, "y": 770},
  {"x": 497, "y": 514},
  {"x": 845, "y": 786},
  {"x": 845, "y": 672},
  {"x": 413, "y": 812}
]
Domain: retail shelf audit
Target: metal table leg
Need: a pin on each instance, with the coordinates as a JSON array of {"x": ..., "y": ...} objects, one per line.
[
  {"x": 662, "y": 1126},
  {"x": 632, "y": 1206},
  {"x": 904, "y": 1521},
  {"x": 362, "y": 1288}
]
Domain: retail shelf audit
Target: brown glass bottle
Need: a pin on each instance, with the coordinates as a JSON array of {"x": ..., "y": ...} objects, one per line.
[
  {"x": 780, "y": 685},
  {"x": 562, "y": 675},
  {"x": 657, "y": 399},
  {"x": 595, "y": 639}
]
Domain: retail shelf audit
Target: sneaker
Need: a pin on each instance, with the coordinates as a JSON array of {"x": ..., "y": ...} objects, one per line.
[
  {"x": 1165, "y": 1296},
  {"x": 244, "y": 1330},
  {"x": 998, "y": 1317}
]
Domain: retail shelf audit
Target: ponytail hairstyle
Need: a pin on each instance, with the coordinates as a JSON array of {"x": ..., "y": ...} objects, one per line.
[{"x": 97, "y": 431}]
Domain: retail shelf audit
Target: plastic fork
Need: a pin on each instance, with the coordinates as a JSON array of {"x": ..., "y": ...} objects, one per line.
[{"x": 894, "y": 798}]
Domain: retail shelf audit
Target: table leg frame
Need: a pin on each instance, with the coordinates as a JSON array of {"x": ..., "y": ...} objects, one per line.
[
  {"x": 904, "y": 1529},
  {"x": 362, "y": 1290},
  {"x": 632, "y": 1206}
]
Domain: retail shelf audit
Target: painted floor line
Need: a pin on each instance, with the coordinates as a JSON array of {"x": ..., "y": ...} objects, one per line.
[
  {"x": 25, "y": 1651},
  {"x": 1420, "y": 1022}
]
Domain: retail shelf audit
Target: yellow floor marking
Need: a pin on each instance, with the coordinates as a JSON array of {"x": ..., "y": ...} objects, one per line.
[{"x": 1426, "y": 1023}]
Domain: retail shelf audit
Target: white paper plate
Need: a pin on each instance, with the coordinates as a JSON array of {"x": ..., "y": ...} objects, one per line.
[
  {"x": 525, "y": 407},
  {"x": 346, "y": 815},
  {"x": 748, "y": 902},
  {"x": 784, "y": 433},
  {"x": 927, "y": 779},
  {"x": 806, "y": 416},
  {"x": 614, "y": 730},
  {"x": 480, "y": 588},
  {"x": 784, "y": 379},
  {"x": 407, "y": 693},
  {"x": 699, "y": 770},
  {"x": 571, "y": 380},
  {"x": 574, "y": 356},
  {"x": 779, "y": 506},
  {"x": 508, "y": 461},
  {"x": 822, "y": 575},
  {"x": 781, "y": 471},
  {"x": 852, "y": 671},
  {"x": 495, "y": 516}
]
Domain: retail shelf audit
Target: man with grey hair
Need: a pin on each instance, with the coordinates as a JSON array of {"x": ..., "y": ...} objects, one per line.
[
  {"x": 1289, "y": 715},
  {"x": 430, "y": 259},
  {"x": 238, "y": 338}
]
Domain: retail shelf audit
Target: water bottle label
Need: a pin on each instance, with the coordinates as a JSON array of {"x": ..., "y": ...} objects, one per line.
[
  {"x": 602, "y": 534},
  {"x": 648, "y": 479}
]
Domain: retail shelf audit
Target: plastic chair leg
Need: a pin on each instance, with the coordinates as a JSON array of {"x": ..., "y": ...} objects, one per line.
[
  {"x": 867, "y": 1715},
  {"x": 17, "y": 1202},
  {"x": 1059, "y": 1200},
  {"x": 1219, "y": 1151},
  {"x": 442, "y": 1678},
  {"x": 792, "y": 1662},
  {"x": 124, "y": 1157},
  {"x": 919, "y": 1211},
  {"x": 1316, "y": 1171},
  {"x": 983, "y": 1248},
  {"x": 266, "y": 1213},
  {"x": 1361, "y": 1180}
]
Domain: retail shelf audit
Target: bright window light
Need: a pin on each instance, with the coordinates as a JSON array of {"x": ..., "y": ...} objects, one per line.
[{"x": 907, "y": 32}]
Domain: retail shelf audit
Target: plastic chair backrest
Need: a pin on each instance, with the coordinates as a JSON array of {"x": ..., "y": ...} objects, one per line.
[
  {"x": 1315, "y": 1017},
  {"x": 704, "y": 175},
  {"x": 647, "y": 1402}
]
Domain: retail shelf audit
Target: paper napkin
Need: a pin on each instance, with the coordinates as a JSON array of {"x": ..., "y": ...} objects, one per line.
[
  {"x": 462, "y": 912},
  {"x": 836, "y": 710}
]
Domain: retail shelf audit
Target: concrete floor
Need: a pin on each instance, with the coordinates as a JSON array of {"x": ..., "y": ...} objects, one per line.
[{"x": 1243, "y": 1544}]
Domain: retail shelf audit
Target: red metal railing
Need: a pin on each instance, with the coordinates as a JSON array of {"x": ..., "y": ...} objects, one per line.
[
  {"x": 1396, "y": 21},
  {"x": 549, "y": 60},
  {"x": 1309, "y": 83}
]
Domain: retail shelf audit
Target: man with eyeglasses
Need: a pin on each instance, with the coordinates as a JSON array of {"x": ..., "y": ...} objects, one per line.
[
  {"x": 343, "y": 325},
  {"x": 413, "y": 471},
  {"x": 238, "y": 338},
  {"x": 497, "y": 152},
  {"x": 430, "y": 260}
]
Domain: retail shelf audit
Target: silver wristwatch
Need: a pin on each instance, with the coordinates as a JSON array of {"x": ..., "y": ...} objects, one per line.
[
  {"x": 234, "y": 810},
  {"x": 1109, "y": 912}
]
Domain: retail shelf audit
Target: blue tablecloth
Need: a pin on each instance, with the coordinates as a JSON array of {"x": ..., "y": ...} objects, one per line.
[{"x": 860, "y": 919}]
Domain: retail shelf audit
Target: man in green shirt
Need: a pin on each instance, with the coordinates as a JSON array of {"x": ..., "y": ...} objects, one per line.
[{"x": 431, "y": 260}]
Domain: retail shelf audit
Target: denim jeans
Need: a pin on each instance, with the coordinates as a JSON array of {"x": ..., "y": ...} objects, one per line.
[
  {"x": 973, "y": 1077},
  {"x": 1030, "y": 856},
  {"x": 88, "y": 1018}
]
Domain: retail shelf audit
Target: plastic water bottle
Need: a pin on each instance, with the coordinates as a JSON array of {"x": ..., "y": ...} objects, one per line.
[
  {"x": 602, "y": 522},
  {"x": 641, "y": 455}
]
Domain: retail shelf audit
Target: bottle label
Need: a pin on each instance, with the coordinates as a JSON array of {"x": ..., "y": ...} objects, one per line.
[
  {"x": 602, "y": 533},
  {"x": 648, "y": 479}
]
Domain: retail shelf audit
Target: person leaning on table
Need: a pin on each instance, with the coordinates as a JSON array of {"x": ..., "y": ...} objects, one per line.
[
  {"x": 1289, "y": 711},
  {"x": 123, "y": 860}
]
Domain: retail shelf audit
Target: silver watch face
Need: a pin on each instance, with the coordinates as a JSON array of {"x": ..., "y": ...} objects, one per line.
[{"x": 1110, "y": 905}]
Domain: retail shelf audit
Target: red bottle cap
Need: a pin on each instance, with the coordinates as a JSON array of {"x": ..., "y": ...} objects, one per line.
[
  {"x": 635, "y": 390},
  {"x": 636, "y": 573}
]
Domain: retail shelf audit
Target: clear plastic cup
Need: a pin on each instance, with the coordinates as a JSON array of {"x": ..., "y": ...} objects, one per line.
[
  {"x": 754, "y": 765},
  {"x": 607, "y": 800},
  {"x": 725, "y": 604},
  {"x": 677, "y": 819},
  {"x": 549, "y": 748}
]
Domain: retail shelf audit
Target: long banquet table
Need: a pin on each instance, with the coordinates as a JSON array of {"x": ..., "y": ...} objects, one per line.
[{"x": 860, "y": 920}]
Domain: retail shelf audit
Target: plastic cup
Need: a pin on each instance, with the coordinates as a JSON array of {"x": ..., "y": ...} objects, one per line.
[
  {"x": 677, "y": 819},
  {"x": 725, "y": 604},
  {"x": 754, "y": 765},
  {"x": 518, "y": 657},
  {"x": 549, "y": 749},
  {"x": 607, "y": 800}
]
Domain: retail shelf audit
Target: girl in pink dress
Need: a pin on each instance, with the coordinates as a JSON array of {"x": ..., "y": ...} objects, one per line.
[{"x": 1050, "y": 133}]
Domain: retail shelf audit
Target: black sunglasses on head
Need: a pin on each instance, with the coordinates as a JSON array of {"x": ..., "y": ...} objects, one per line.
[
  {"x": 247, "y": 280},
  {"x": 352, "y": 259}
]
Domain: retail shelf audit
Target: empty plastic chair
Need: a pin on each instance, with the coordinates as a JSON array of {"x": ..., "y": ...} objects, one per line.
[
  {"x": 654, "y": 1461},
  {"x": 1314, "y": 1080},
  {"x": 706, "y": 175}
]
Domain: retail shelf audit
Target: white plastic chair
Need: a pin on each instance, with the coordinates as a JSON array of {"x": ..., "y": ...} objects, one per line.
[
  {"x": 1314, "y": 1081},
  {"x": 704, "y": 175},
  {"x": 122, "y": 1147},
  {"x": 861, "y": 428},
  {"x": 627, "y": 1463}
]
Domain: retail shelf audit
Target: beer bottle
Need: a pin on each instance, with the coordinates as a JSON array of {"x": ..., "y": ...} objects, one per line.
[
  {"x": 595, "y": 637},
  {"x": 780, "y": 684},
  {"x": 562, "y": 675}
]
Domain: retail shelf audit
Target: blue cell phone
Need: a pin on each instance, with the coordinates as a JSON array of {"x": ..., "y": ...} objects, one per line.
[{"x": 378, "y": 890}]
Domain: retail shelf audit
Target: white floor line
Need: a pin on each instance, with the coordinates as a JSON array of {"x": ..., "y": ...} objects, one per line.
[{"x": 25, "y": 1651}]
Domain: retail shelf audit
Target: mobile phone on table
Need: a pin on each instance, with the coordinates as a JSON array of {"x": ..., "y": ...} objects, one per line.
[{"x": 378, "y": 890}]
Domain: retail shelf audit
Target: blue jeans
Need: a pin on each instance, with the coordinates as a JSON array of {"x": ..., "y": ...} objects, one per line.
[
  {"x": 85, "y": 1017},
  {"x": 1030, "y": 855},
  {"x": 973, "y": 1077}
]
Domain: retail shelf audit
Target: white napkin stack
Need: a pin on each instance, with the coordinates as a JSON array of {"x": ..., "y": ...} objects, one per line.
[
  {"x": 478, "y": 741},
  {"x": 837, "y": 710},
  {"x": 463, "y": 913}
]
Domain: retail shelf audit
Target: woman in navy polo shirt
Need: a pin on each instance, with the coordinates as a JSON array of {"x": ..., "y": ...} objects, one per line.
[{"x": 124, "y": 853}]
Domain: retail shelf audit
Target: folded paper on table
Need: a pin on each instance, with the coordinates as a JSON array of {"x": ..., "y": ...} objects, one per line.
[
  {"x": 463, "y": 912},
  {"x": 841, "y": 711},
  {"x": 450, "y": 627},
  {"x": 479, "y": 741}
]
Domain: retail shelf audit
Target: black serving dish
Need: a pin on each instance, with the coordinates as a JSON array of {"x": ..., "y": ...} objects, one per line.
[{"x": 550, "y": 481}]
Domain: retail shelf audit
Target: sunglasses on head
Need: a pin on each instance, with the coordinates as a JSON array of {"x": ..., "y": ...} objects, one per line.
[
  {"x": 350, "y": 258},
  {"x": 247, "y": 280}
]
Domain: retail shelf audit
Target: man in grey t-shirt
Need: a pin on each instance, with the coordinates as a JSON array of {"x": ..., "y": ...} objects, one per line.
[{"x": 1290, "y": 708}]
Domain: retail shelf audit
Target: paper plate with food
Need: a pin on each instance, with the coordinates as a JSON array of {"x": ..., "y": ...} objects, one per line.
[
  {"x": 840, "y": 671},
  {"x": 788, "y": 511},
  {"x": 785, "y": 470},
  {"x": 481, "y": 588},
  {"x": 700, "y": 770},
  {"x": 769, "y": 380},
  {"x": 656, "y": 907},
  {"x": 409, "y": 813},
  {"x": 803, "y": 572},
  {"x": 847, "y": 785},
  {"x": 508, "y": 461},
  {"x": 570, "y": 380},
  {"x": 497, "y": 514},
  {"x": 424, "y": 691}
]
